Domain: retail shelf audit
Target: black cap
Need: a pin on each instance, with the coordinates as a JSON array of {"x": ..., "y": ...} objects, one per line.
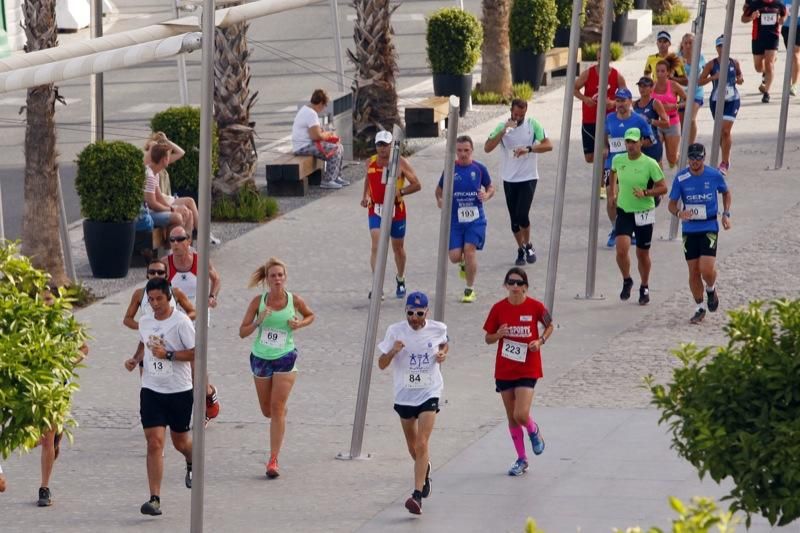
[
  {"x": 696, "y": 150},
  {"x": 644, "y": 80}
]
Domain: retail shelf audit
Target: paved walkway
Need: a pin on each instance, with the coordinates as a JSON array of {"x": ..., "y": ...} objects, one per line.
[{"x": 607, "y": 463}]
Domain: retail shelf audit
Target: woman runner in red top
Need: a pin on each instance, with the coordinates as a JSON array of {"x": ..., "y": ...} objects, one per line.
[{"x": 514, "y": 322}]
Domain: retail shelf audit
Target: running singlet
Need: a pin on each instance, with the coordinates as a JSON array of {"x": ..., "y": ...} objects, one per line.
[
  {"x": 668, "y": 99},
  {"x": 766, "y": 25},
  {"x": 616, "y": 128},
  {"x": 416, "y": 374},
  {"x": 655, "y": 150},
  {"x": 514, "y": 360},
  {"x": 731, "y": 91},
  {"x": 274, "y": 337},
  {"x": 467, "y": 183},
  {"x": 377, "y": 190},
  {"x": 699, "y": 196},
  {"x": 185, "y": 281},
  {"x": 589, "y": 113},
  {"x": 635, "y": 173}
]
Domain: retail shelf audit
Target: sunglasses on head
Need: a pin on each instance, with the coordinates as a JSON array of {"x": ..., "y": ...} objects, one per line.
[
  {"x": 418, "y": 313},
  {"x": 156, "y": 272},
  {"x": 517, "y": 282},
  {"x": 178, "y": 239}
]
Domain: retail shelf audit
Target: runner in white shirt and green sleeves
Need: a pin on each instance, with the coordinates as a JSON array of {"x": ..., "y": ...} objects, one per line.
[{"x": 415, "y": 348}]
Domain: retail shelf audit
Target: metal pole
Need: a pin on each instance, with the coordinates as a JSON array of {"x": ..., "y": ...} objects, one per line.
[
  {"x": 2, "y": 225},
  {"x": 204, "y": 230},
  {"x": 690, "y": 103},
  {"x": 96, "y": 80},
  {"x": 447, "y": 210},
  {"x": 63, "y": 230},
  {"x": 183, "y": 83},
  {"x": 722, "y": 83},
  {"x": 337, "y": 45},
  {"x": 371, "y": 334},
  {"x": 599, "y": 145},
  {"x": 787, "y": 80},
  {"x": 563, "y": 158}
]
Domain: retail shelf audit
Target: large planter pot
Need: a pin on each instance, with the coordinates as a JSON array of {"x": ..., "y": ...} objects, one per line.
[
  {"x": 640, "y": 4},
  {"x": 109, "y": 246},
  {"x": 527, "y": 67},
  {"x": 562, "y": 38},
  {"x": 618, "y": 27},
  {"x": 454, "y": 84}
]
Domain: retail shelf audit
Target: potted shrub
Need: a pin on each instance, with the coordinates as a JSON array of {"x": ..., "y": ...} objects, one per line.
[
  {"x": 621, "y": 8},
  {"x": 181, "y": 125},
  {"x": 110, "y": 185},
  {"x": 564, "y": 14},
  {"x": 454, "y": 38},
  {"x": 531, "y": 29}
]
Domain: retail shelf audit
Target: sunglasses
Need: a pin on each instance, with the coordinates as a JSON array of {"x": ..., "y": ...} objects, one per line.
[
  {"x": 178, "y": 239},
  {"x": 156, "y": 272},
  {"x": 517, "y": 282},
  {"x": 696, "y": 157},
  {"x": 418, "y": 313}
]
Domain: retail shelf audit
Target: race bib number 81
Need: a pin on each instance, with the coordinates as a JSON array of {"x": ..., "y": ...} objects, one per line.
[
  {"x": 377, "y": 209},
  {"x": 516, "y": 351}
]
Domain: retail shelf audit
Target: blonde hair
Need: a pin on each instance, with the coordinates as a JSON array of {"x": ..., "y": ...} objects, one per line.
[
  {"x": 156, "y": 137},
  {"x": 260, "y": 274}
]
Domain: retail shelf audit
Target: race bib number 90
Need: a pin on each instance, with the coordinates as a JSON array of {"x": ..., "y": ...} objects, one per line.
[
  {"x": 617, "y": 144},
  {"x": 160, "y": 368},
  {"x": 645, "y": 218},
  {"x": 468, "y": 214},
  {"x": 516, "y": 351},
  {"x": 273, "y": 338},
  {"x": 697, "y": 211},
  {"x": 419, "y": 380}
]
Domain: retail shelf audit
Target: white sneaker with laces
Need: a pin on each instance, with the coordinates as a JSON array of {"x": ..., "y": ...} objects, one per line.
[
  {"x": 341, "y": 181},
  {"x": 332, "y": 184}
]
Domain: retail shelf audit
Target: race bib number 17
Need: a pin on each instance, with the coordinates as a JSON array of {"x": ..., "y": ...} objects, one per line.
[{"x": 645, "y": 218}]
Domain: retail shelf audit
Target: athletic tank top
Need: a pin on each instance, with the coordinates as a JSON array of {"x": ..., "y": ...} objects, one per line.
[
  {"x": 655, "y": 150},
  {"x": 591, "y": 89},
  {"x": 275, "y": 338},
  {"x": 377, "y": 189},
  {"x": 668, "y": 98},
  {"x": 731, "y": 91},
  {"x": 185, "y": 281}
]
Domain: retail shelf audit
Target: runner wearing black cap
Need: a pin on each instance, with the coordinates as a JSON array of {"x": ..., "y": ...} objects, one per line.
[
  {"x": 697, "y": 187},
  {"x": 415, "y": 348}
]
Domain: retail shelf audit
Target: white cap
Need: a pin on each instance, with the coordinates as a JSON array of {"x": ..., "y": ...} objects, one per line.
[{"x": 383, "y": 137}]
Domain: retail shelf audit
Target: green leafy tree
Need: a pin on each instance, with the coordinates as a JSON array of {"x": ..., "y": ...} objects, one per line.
[
  {"x": 736, "y": 414},
  {"x": 38, "y": 346}
]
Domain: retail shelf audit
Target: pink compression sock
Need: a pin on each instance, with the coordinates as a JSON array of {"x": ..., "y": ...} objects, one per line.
[
  {"x": 531, "y": 426},
  {"x": 518, "y": 437}
]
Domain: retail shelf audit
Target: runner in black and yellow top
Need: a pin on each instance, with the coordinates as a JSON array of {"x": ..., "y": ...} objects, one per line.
[
  {"x": 663, "y": 42},
  {"x": 631, "y": 173},
  {"x": 372, "y": 199},
  {"x": 274, "y": 314}
]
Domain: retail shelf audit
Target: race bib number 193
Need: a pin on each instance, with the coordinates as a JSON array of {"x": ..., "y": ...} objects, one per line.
[{"x": 468, "y": 214}]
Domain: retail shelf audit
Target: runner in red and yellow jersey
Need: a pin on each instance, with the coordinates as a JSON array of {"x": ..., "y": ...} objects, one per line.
[{"x": 372, "y": 199}]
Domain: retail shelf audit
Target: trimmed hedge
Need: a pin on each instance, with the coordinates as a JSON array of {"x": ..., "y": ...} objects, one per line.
[
  {"x": 110, "y": 181},
  {"x": 454, "y": 38}
]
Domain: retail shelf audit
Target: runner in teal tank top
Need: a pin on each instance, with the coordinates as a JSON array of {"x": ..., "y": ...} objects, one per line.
[{"x": 275, "y": 315}]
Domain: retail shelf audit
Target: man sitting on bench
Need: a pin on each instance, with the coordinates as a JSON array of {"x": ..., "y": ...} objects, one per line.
[{"x": 308, "y": 138}]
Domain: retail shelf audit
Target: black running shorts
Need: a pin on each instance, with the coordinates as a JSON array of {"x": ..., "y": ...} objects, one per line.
[
  {"x": 413, "y": 411},
  {"x": 158, "y": 409},
  {"x": 626, "y": 225},
  {"x": 696, "y": 245}
]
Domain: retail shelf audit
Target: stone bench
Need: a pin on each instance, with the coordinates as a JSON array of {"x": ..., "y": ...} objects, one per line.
[
  {"x": 290, "y": 175},
  {"x": 428, "y": 117},
  {"x": 556, "y": 62}
]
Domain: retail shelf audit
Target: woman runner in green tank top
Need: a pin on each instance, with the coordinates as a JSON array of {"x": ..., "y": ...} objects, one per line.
[{"x": 274, "y": 315}]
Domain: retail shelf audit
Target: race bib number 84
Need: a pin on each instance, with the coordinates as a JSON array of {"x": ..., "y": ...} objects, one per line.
[{"x": 419, "y": 380}]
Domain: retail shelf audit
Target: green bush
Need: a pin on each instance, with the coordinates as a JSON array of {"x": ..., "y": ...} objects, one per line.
[
  {"x": 248, "y": 206},
  {"x": 532, "y": 25},
  {"x": 677, "y": 14},
  {"x": 182, "y": 126},
  {"x": 454, "y": 38},
  {"x": 734, "y": 414},
  {"x": 110, "y": 181},
  {"x": 589, "y": 51},
  {"x": 39, "y": 344},
  {"x": 519, "y": 90},
  {"x": 564, "y": 13},
  {"x": 623, "y": 6}
]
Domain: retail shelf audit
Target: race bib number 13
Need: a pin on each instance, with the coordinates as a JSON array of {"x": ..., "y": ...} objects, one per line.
[
  {"x": 160, "y": 367},
  {"x": 516, "y": 351}
]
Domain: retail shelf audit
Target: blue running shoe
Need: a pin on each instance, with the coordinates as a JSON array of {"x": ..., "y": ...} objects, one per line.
[
  {"x": 401, "y": 287},
  {"x": 518, "y": 468},
  {"x": 612, "y": 239},
  {"x": 537, "y": 441}
]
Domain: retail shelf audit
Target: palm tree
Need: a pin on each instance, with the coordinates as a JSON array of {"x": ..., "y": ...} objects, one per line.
[
  {"x": 496, "y": 65},
  {"x": 232, "y": 104},
  {"x": 375, "y": 59},
  {"x": 40, "y": 235}
]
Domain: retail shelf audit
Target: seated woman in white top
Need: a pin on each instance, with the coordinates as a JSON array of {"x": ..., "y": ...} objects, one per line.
[{"x": 308, "y": 138}]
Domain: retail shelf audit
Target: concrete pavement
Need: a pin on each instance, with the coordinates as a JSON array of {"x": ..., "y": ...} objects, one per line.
[{"x": 607, "y": 463}]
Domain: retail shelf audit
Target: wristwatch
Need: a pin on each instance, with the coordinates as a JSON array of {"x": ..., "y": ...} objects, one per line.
[
  {"x": 530, "y": 149},
  {"x": 726, "y": 214},
  {"x": 170, "y": 356}
]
